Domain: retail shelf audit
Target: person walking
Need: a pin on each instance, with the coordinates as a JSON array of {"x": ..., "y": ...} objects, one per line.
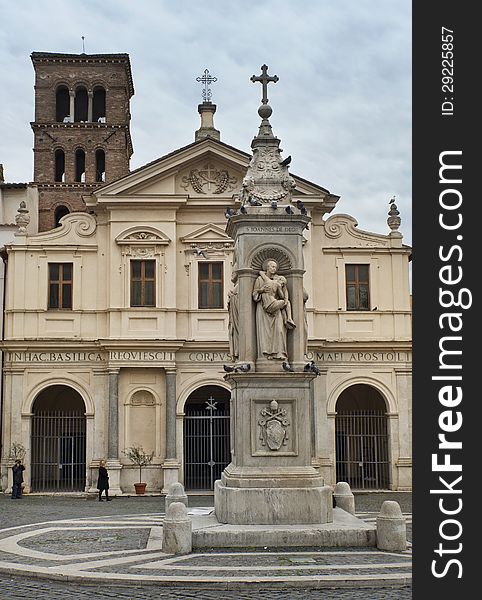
[
  {"x": 103, "y": 481},
  {"x": 18, "y": 470}
]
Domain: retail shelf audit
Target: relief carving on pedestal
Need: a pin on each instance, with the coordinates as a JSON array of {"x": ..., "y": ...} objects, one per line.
[{"x": 274, "y": 423}]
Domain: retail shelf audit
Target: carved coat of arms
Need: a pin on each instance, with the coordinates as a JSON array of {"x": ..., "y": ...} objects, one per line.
[
  {"x": 274, "y": 424},
  {"x": 209, "y": 180}
]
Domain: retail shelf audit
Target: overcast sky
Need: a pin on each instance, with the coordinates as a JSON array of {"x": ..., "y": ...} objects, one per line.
[{"x": 341, "y": 107}]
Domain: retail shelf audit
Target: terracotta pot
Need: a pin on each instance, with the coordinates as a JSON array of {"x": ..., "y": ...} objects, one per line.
[{"x": 140, "y": 488}]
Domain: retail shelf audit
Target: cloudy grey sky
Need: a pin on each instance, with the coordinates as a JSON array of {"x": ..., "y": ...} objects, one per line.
[{"x": 342, "y": 106}]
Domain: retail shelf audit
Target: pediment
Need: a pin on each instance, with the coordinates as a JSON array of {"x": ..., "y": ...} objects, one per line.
[
  {"x": 342, "y": 230},
  {"x": 143, "y": 235},
  {"x": 207, "y": 234},
  {"x": 207, "y": 169}
]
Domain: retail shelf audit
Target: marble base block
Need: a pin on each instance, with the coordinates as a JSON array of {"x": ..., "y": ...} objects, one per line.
[{"x": 272, "y": 506}]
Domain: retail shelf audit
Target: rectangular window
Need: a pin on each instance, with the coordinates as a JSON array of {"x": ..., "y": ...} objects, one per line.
[
  {"x": 357, "y": 287},
  {"x": 60, "y": 285},
  {"x": 143, "y": 282},
  {"x": 210, "y": 289}
]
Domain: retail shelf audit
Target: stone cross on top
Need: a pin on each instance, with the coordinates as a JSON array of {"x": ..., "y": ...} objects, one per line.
[
  {"x": 264, "y": 79},
  {"x": 206, "y": 79}
]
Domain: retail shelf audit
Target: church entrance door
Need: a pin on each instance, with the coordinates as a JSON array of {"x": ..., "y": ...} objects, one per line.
[
  {"x": 206, "y": 437},
  {"x": 58, "y": 441},
  {"x": 362, "y": 445}
]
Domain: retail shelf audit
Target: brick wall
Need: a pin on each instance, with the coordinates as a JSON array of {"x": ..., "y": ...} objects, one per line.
[{"x": 113, "y": 136}]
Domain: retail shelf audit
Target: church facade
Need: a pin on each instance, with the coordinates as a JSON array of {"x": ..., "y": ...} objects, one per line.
[{"x": 117, "y": 317}]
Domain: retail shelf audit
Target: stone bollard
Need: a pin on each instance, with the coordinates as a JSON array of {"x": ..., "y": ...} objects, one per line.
[
  {"x": 344, "y": 498},
  {"x": 177, "y": 530},
  {"x": 176, "y": 493},
  {"x": 391, "y": 528}
]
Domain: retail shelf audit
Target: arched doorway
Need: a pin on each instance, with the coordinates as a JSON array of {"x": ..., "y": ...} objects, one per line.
[
  {"x": 206, "y": 436},
  {"x": 58, "y": 441},
  {"x": 362, "y": 449}
]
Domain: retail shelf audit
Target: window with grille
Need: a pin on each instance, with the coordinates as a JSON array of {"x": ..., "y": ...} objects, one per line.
[
  {"x": 60, "y": 285},
  {"x": 357, "y": 287},
  {"x": 210, "y": 285},
  {"x": 143, "y": 283}
]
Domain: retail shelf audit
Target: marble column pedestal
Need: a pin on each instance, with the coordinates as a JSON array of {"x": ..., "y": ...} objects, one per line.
[{"x": 270, "y": 480}]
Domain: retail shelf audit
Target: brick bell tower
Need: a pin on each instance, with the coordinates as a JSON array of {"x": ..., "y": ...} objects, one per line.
[{"x": 81, "y": 129}]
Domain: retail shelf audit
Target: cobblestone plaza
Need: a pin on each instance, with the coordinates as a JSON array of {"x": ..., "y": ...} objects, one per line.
[{"x": 85, "y": 549}]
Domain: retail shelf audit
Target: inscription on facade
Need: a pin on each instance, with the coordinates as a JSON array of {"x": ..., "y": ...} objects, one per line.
[
  {"x": 359, "y": 356},
  {"x": 143, "y": 356}
]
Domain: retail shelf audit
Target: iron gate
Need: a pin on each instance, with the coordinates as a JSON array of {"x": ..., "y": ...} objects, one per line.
[
  {"x": 206, "y": 443},
  {"x": 362, "y": 457},
  {"x": 58, "y": 451}
]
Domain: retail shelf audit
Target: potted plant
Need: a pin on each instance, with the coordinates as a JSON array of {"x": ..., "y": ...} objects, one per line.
[{"x": 139, "y": 457}]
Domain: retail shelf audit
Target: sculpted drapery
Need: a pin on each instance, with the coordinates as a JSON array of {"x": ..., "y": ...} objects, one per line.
[
  {"x": 233, "y": 324},
  {"x": 273, "y": 312}
]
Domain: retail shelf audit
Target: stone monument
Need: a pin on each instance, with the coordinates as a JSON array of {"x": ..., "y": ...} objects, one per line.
[{"x": 270, "y": 479}]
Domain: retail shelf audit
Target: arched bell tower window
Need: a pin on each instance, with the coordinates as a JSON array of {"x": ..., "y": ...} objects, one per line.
[
  {"x": 100, "y": 165},
  {"x": 79, "y": 165},
  {"x": 81, "y": 105},
  {"x": 60, "y": 212},
  {"x": 59, "y": 165},
  {"x": 62, "y": 104},
  {"x": 98, "y": 105}
]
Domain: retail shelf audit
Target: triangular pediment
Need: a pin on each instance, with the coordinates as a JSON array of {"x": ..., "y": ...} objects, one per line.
[
  {"x": 204, "y": 170},
  {"x": 207, "y": 234}
]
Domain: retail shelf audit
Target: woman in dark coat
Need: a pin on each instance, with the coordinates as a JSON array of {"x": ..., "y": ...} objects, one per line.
[{"x": 103, "y": 481}]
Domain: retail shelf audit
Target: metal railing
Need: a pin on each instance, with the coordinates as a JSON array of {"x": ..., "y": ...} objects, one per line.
[
  {"x": 206, "y": 444},
  {"x": 58, "y": 451},
  {"x": 362, "y": 449}
]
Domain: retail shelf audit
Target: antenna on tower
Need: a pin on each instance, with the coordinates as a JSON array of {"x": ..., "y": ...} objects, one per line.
[{"x": 83, "y": 45}]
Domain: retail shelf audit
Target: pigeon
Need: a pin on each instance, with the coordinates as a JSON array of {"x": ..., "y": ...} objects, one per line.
[
  {"x": 303, "y": 211},
  {"x": 299, "y": 204},
  {"x": 274, "y": 204},
  {"x": 286, "y": 161},
  {"x": 392, "y": 200},
  {"x": 229, "y": 212},
  {"x": 244, "y": 368},
  {"x": 200, "y": 252},
  {"x": 254, "y": 202},
  {"x": 311, "y": 367},
  {"x": 289, "y": 210},
  {"x": 287, "y": 367},
  {"x": 243, "y": 210},
  {"x": 228, "y": 369}
]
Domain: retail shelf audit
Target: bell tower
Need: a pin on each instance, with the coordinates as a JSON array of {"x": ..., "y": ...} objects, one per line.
[{"x": 81, "y": 129}]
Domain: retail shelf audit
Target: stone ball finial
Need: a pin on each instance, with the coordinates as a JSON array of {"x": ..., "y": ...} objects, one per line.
[{"x": 265, "y": 111}]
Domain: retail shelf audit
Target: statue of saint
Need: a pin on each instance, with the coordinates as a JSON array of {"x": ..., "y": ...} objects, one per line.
[
  {"x": 273, "y": 312},
  {"x": 233, "y": 323}
]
